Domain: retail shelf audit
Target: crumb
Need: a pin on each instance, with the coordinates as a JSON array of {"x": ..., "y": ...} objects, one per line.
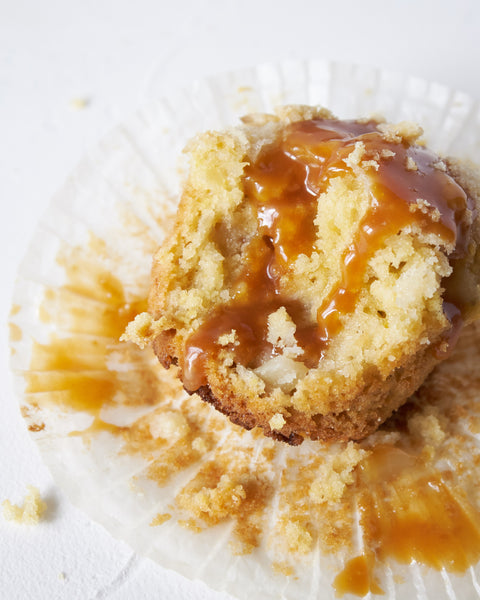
[
  {"x": 169, "y": 425},
  {"x": 373, "y": 164},
  {"x": 140, "y": 331},
  {"x": 190, "y": 524},
  {"x": 440, "y": 165},
  {"x": 336, "y": 475},
  {"x": 283, "y": 569},
  {"x": 374, "y": 116},
  {"x": 277, "y": 422},
  {"x": 299, "y": 539},
  {"x": 218, "y": 502},
  {"x": 228, "y": 338},
  {"x": 160, "y": 519},
  {"x": 80, "y": 103},
  {"x": 30, "y": 513},
  {"x": 387, "y": 153},
  {"x": 404, "y": 131},
  {"x": 411, "y": 164},
  {"x": 281, "y": 333},
  {"x": 428, "y": 428},
  {"x": 354, "y": 159},
  {"x": 356, "y": 155},
  {"x": 200, "y": 445},
  {"x": 426, "y": 208}
]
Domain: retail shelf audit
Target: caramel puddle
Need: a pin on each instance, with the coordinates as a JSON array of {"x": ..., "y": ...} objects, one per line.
[{"x": 357, "y": 577}]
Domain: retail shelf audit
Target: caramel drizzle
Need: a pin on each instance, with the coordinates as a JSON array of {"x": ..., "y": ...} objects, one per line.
[{"x": 284, "y": 185}]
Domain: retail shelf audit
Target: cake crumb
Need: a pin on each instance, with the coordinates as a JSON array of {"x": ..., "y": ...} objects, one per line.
[
  {"x": 386, "y": 154},
  {"x": 169, "y": 425},
  {"x": 336, "y": 474},
  {"x": 440, "y": 166},
  {"x": 30, "y": 513},
  {"x": 80, "y": 103},
  {"x": 299, "y": 539},
  {"x": 200, "y": 445},
  {"x": 356, "y": 155},
  {"x": 428, "y": 428},
  {"x": 404, "y": 131},
  {"x": 190, "y": 524},
  {"x": 160, "y": 519},
  {"x": 411, "y": 164},
  {"x": 277, "y": 422},
  {"x": 229, "y": 338},
  {"x": 373, "y": 164},
  {"x": 141, "y": 330},
  {"x": 426, "y": 208},
  {"x": 218, "y": 502},
  {"x": 281, "y": 332},
  {"x": 283, "y": 569}
]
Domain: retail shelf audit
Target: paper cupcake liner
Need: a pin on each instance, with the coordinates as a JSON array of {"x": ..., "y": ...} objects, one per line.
[{"x": 169, "y": 475}]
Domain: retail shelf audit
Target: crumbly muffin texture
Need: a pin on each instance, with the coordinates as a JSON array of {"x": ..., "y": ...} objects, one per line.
[{"x": 294, "y": 316}]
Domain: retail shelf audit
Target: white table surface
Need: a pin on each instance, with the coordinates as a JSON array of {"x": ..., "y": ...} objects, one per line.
[{"x": 55, "y": 51}]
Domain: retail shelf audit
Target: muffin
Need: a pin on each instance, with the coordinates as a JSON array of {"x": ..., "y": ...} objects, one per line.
[{"x": 317, "y": 271}]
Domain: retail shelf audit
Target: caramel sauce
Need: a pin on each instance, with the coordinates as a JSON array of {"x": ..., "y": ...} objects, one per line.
[
  {"x": 284, "y": 185},
  {"x": 356, "y": 577},
  {"x": 410, "y": 513},
  {"x": 419, "y": 516}
]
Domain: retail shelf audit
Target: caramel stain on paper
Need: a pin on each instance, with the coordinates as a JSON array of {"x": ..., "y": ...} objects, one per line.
[
  {"x": 410, "y": 508},
  {"x": 412, "y": 512},
  {"x": 15, "y": 332},
  {"x": 73, "y": 371}
]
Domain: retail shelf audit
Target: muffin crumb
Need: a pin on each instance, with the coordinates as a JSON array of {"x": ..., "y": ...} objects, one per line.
[
  {"x": 428, "y": 428},
  {"x": 411, "y": 164},
  {"x": 160, "y": 519},
  {"x": 336, "y": 474},
  {"x": 277, "y": 422},
  {"x": 169, "y": 425},
  {"x": 298, "y": 538},
  {"x": 141, "y": 330},
  {"x": 405, "y": 131},
  {"x": 30, "y": 513}
]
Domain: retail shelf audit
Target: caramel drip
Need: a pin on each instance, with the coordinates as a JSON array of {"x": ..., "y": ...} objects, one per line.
[
  {"x": 357, "y": 577},
  {"x": 284, "y": 186}
]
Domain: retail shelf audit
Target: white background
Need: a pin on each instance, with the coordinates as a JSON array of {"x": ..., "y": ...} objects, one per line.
[{"x": 111, "y": 53}]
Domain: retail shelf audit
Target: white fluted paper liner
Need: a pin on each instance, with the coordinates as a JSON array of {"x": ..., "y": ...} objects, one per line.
[{"x": 110, "y": 215}]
